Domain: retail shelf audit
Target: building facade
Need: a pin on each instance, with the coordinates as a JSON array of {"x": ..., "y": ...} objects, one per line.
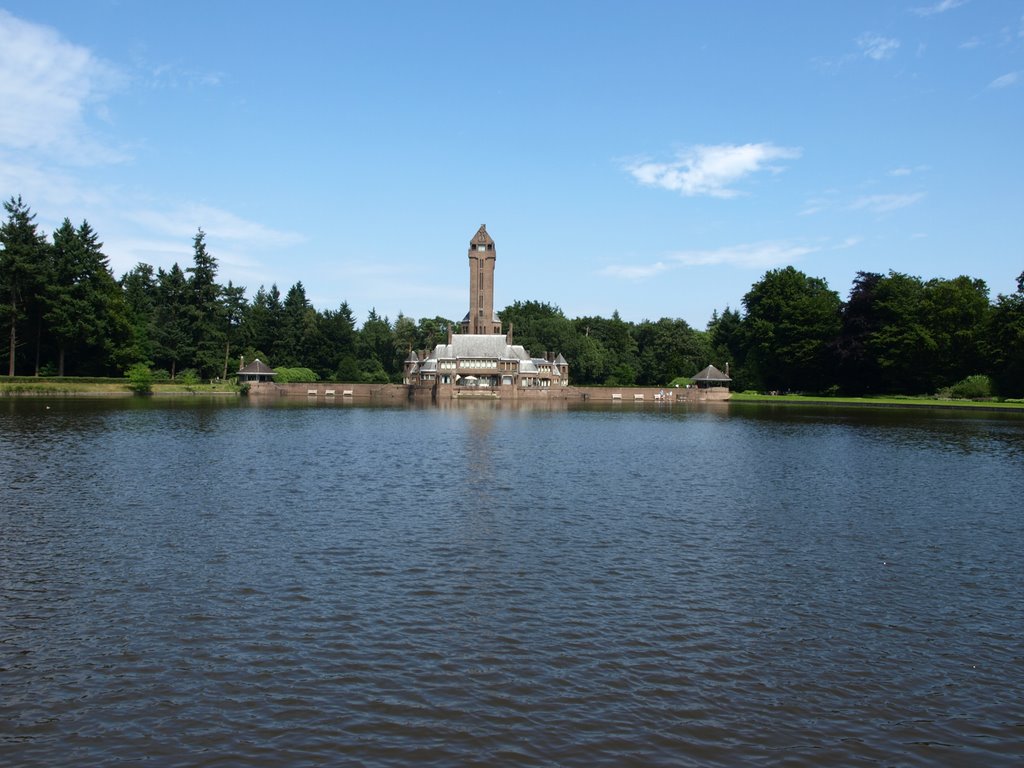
[{"x": 481, "y": 358}]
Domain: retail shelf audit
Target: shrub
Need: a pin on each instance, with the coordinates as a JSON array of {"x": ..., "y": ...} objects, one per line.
[
  {"x": 188, "y": 377},
  {"x": 140, "y": 379},
  {"x": 295, "y": 376},
  {"x": 977, "y": 387}
]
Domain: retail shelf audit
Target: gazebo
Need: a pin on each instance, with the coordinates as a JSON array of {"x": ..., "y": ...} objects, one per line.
[
  {"x": 711, "y": 377},
  {"x": 255, "y": 372}
]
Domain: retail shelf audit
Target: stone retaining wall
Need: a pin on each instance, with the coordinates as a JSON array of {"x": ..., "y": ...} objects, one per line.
[{"x": 383, "y": 393}]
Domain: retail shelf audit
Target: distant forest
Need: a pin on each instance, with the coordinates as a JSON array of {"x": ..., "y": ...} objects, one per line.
[{"x": 64, "y": 313}]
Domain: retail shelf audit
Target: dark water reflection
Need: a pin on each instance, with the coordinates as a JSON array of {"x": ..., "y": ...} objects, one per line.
[{"x": 221, "y": 583}]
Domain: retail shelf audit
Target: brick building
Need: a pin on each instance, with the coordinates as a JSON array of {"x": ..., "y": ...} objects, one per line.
[{"x": 481, "y": 358}]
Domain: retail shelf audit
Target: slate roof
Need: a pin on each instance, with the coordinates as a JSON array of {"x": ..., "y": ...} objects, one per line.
[
  {"x": 479, "y": 345},
  {"x": 711, "y": 374},
  {"x": 258, "y": 367}
]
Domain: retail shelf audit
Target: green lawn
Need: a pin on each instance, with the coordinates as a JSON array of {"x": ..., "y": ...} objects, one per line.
[
  {"x": 70, "y": 385},
  {"x": 931, "y": 402}
]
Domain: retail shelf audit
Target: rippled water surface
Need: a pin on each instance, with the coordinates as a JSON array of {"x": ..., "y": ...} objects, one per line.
[{"x": 233, "y": 584}]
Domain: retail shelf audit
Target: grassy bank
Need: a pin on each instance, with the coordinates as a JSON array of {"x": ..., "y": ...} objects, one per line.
[
  {"x": 880, "y": 401},
  {"x": 31, "y": 386}
]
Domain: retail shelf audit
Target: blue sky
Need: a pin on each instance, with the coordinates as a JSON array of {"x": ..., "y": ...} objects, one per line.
[{"x": 654, "y": 158}]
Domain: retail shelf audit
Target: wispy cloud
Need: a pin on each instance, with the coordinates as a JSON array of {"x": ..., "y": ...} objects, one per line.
[
  {"x": 173, "y": 76},
  {"x": 711, "y": 170},
  {"x": 940, "y": 7},
  {"x": 970, "y": 43},
  {"x": 1004, "y": 81},
  {"x": 47, "y": 86},
  {"x": 748, "y": 255},
  {"x": 877, "y": 47},
  {"x": 908, "y": 171},
  {"x": 886, "y": 203},
  {"x": 183, "y": 221}
]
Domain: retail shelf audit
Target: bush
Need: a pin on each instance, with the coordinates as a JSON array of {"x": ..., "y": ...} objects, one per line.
[
  {"x": 977, "y": 387},
  {"x": 295, "y": 376},
  {"x": 140, "y": 379},
  {"x": 188, "y": 377}
]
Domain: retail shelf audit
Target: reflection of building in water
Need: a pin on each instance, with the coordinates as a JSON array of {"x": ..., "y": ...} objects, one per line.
[{"x": 480, "y": 356}]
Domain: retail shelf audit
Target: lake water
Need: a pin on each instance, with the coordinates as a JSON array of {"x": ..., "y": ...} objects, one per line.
[{"x": 227, "y": 583}]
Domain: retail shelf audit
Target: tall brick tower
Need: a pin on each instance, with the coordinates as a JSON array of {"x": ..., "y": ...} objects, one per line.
[{"x": 481, "y": 317}]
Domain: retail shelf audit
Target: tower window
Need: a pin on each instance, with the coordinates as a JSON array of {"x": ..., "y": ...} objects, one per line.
[{"x": 481, "y": 247}]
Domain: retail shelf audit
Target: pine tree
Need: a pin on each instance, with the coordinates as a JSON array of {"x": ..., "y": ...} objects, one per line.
[{"x": 22, "y": 263}]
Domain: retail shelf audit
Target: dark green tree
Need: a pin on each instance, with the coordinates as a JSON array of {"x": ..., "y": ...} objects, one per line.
[
  {"x": 264, "y": 321},
  {"x": 376, "y": 349},
  {"x": 790, "y": 325},
  {"x": 670, "y": 348},
  {"x": 204, "y": 311},
  {"x": 725, "y": 335},
  {"x": 175, "y": 339},
  {"x": 234, "y": 309},
  {"x": 84, "y": 307},
  {"x": 956, "y": 314},
  {"x": 1005, "y": 342},
  {"x": 141, "y": 294},
  {"x": 900, "y": 348},
  {"x": 22, "y": 271},
  {"x": 339, "y": 333}
]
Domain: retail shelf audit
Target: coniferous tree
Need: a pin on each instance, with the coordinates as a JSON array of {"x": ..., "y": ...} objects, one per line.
[
  {"x": 83, "y": 303},
  {"x": 174, "y": 319},
  {"x": 22, "y": 267},
  {"x": 141, "y": 295},
  {"x": 205, "y": 313}
]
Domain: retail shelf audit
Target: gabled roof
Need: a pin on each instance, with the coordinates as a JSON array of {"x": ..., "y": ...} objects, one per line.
[
  {"x": 561, "y": 360},
  {"x": 711, "y": 374},
  {"x": 479, "y": 345},
  {"x": 481, "y": 236},
  {"x": 257, "y": 366}
]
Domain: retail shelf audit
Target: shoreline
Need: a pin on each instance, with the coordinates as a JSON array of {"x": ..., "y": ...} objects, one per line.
[{"x": 54, "y": 389}]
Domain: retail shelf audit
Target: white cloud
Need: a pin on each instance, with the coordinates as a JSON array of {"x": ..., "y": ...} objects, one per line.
[
  {"x": 748, "y": 255},
  {"x": 640, "y": 272},
  {"x": 47, "y": 86},
  {"x": 940, "y": 7},
  {"x": 908, "y": 171},
  {"x": 711, "y": 170},
  {"x": 970, "y": 43},
  {"x": 183, "y": 222},
  {"x": 876, "y": 47},
  {"x": 886, "y": 203},
  {"x": 745, "y": 255},
  {"x": 1005, "y": 81}
]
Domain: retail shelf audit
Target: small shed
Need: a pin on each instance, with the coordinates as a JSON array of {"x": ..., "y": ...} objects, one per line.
[
  {"x": 255, "y": 372},
  {"x": 711, "y": 377}
]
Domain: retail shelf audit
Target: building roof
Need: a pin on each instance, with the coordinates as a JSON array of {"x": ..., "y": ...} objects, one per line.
[
  {"x": 560, "y": 360},
  {"x": 480, "y": 345},
  {"x": 481, "y": 236},
  {"x": 711, "y": 374},
  {"x": 257, "y": 366}
]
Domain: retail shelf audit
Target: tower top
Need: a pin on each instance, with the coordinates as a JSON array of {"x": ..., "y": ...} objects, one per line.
[{"x": 481, "y": 237}]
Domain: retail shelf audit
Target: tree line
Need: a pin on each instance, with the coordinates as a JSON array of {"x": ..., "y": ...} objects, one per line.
[{"x": 63, "y": 312}]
